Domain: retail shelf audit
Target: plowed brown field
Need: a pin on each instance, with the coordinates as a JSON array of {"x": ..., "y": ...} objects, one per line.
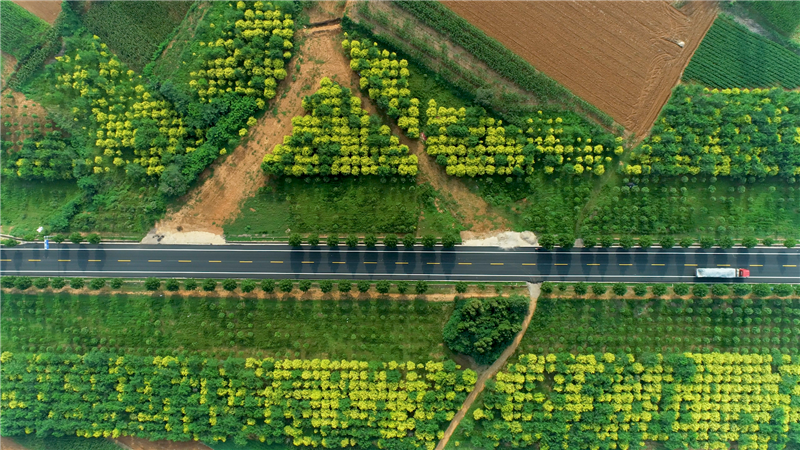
[
  {"x": 621, "y": 56},
  {"x": 45, "y": 10}
]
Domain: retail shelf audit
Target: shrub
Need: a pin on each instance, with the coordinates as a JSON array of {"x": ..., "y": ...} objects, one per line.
[
  {"x": 383, "y": 286},
  {"x": 599, "y": 289},
  {"x": 547, "y": 241},
  {"x": 589, "y": 242},
  {"x": 9, "y": 242},
  {"x": 333, "y": 240},
  {"x": 8, "y": 281},
  {"x": 790, "y": 243},
  {"x": 76, "y": 283},
  {"x": 116, "y": 283},
  {"x": 767, "y": 242},
  {"x": 295, "y": 240},
  {"x": 370, "y": 241},
  {"x": 666, "y": 242},
  {"x": 229, "y": 285},
  {"x": 58, "y": 238},
  {"x": 762, "y": 290},
  {"x": 390, "y": 241},
  {"x": 640, "y": 289},
  {"x": 566, "y": 241},
  {"x": 421, "y": 287},
  {"x": 699, "y": 290},
  {"x": 626, "y": 242},
  {"x": 172, "y": 285},
  {"x": 449, "y": 241},
  {"x": 97, "y": 283},
  {"x": 725, "y": 242},
  {"x": 313, "y": 240},
  {"x": 326, "y": 286},
  {"x": 344, "y": 286},
  {"x": 680, "y": 289},
  {"x": 659, "y": 290},
  {"x": 749, "y": 242},
  {"x": 402, "y": 286},
  {"x": 209, "y": 285},
  {"x": 482, "y": 328},
  {"x": 741, "y": 289},
  {"x": 720, "y": 290},
  {"x": 352, "y": 241},
  {"x": 607, "y": 241},
  {"x": 58, "y": 283},
  {"x": 41, "y": 283},
  {"x": 409, "y": 241},
  {"x": 429, "y": 241},
  {"x": 248, "y": 286},
  {"x": 783, "y": 290},
  {"x": 286, "y": 285},
  {"x": 76, "y": 238},
  {"x": 363, "y": 285},
  {"x": 619, "y": 289},
  {"x": 268, "y": 286},
  {"x": 190, "y": 284},
  {"x": 580, "y": 288},
  {"x": 686, "y": 242},
  {"x": 546, "y": 288},
  {"x": 93, "y": 238},
  {"x": 23, "y": 283},
  {"x": 706, "y": 242},
  {"x": 645, "y": 242},
  {"x": 304, "y": 285},
  {"x": 152, "y": 284},
  {"x": 461, "y": 287}
]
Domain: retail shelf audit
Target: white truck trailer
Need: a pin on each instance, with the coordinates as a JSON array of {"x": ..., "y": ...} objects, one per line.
[{"x": 722, "y": 272}]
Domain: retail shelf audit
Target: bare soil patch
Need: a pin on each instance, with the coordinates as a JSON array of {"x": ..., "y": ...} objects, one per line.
[
  {"x": 8, "y": 66},
  {"x": 45, "y": 10},
  {"x": 7, "y": 443},
  {"x": 19, "y": 112},
  {"x": 322, "y": 11},
  {"x": 623, "y": 57},
  {"x": 133, "y": 443}
]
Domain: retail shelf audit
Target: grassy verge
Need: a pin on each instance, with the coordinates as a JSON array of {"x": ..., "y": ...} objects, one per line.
[{"x": 28, "y": 205}]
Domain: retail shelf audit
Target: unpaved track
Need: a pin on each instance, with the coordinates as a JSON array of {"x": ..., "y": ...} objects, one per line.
[
  {"x": 492, "y": 370},
  {"x": 621, "y": 56}
]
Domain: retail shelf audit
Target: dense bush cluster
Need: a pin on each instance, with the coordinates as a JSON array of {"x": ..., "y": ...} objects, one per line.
[
  {"x": 385, "y": 78},
  {"x": 607, "y": 401},
  {"x": 337, "y": 137},
  {"x": 482, "y": 328},
  {"x": 309, "y": 402},
  {"x": 739, "y": 133}
]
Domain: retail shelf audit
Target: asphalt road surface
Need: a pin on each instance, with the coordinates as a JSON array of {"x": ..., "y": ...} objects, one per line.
[{"x": 766, "y": 265}]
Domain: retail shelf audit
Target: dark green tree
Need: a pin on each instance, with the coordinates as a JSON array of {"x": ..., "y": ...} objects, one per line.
[
  {"x": 461, "y": 287},
  {"x": 421, "y": 287},
  {"x": 390, "y": 241},
  {"x": 268, "y": 286},
  {"x": 286, "y": 285},
  {"x": 666, "y": 242},
  {"x": 152, "y": 284},
  {"x": 352, "y": 241},
  {"x": 295, "y": 240},
  {"x": 409, "y": 241},
  {"x": 429, "y": 241},
  {"x": 383, "y": 286},
  {"x": 363, "y": 285},
  {"x": 209, "y": 285},
  {"x": 304, "y": 285},
  {"x": 229, "y": 284},
  {"x": 313, "y": 240},
  {"x": 326, "y": 286},
  {"x": 370, "y": 241}
]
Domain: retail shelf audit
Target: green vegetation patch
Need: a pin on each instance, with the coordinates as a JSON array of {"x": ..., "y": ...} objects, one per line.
[
  {"x": 134, "y": 29},
  {"x": 27, "y": 205},
  {"x": 156, "y": 325},
  {"x": 731, "y": 56},
  {"x": 783, "y": 16},
  {"x": 654, "y": 325},
  {"x": 22, "y": 32}
]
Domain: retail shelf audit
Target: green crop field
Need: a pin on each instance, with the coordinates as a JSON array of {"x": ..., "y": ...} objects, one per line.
[
  {"x": 784, "y": 16},
  {"x": 22, "y": 31},
  {"x": 731, "y": 56}
]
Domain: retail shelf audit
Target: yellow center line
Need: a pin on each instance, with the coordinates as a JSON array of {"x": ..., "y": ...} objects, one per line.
[
  {"x": 692, "y": 265},
  {"x": 756, "y": 265},
  {"x": 723, "y": 265},
  {"x": 184, "y": 260},
  {"x": 308, "y": 262},
  {"x": 63, "y": 260},
  {"x": 94, "y": 260},
  {"x": 593, "y": 264},
  {"x": 528, "y": 264},
  {"x": 34, "y": 260},
  {"x": 626, "y": 264},
  {"x": 790, "y": 265},
  {"x": 432, "y": 263},
  {"x": 245, "y": 262},
  {"x": 373, "y": 262},
  {"x": 276, "y": 262},
  {"x": 7, "y": 260},
  {"x": 336, "y": 262},
  {"x": 401, "y": 262},
  {"x": 562, "y": 264},
  {"x": 153, "y": 260},
  {"x": 123, "y": 260},
  {"x": 497, "y": 264},
  {"x": 215, "y": 261},
  {"x": 657, "y": 264},
  {"x": 464, "y": 264}
]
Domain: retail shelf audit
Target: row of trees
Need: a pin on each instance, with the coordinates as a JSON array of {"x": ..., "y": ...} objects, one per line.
[
  {"x": 732, "y": 132},
  {"x": 567, "y": 241},
  {"x": 308, "y": 402},
  {"x": 390, "y": 241},
  {"x": 337, "y": 137},
  {"x": 681, "y": 289}
]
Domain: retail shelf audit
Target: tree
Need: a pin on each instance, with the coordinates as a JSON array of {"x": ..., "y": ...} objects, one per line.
[
  {"x": 23, "y": 283},
  {"x": 363, "y": 286},
  {"x": 645, "y": 242},
  {"x": 666, "y": 242},
  {"x": 700, "y": 290},
  {"x": 248, "y": 286},
  {"x": 295, "y": 240},
  {"x": 172, "y": 285},
  {"x": 762, "y": 290},
  {"x": 589, "y": 242},
  {"x": 326, "y": 286},
  {"x": 767, "y": 242},
  {"x": 76, "y": 238},
  {"x": 790, "y": 242},
  {"x": 75, "y": 283},
  {"x": 640, "y": 289},
  {"x": 390, "y": 241},
  {"x": 333, "y": 240},
  {"x": 547, "y": 241},
  {"x": 116, "y": 283},
  {"x": 152, "y": 284},
  {"x": 229, "y": 285},
  {"x": 749, "y": 242},
  {"x": 783, "y": 290},
  {"x": 286, "y": 285},
  {"x": 680, "y": 289},
  {"x": 720, "y": 290},
  {"x": 58, "y": 283},
  {"x": 304, "y": 285},
  {"x": 268, "y": 286},
  {"x": 370, "y": 241},
  {"x": 546, "y": 287},
  {"x": 449, "y": 241},
  {"x": 599, "y": 288},
  {"x": 626, "y": 242},
  {"x": 383, "y": 286},
  {"x": 461, "y": 287},
  {"x": 93, "y": 238},
  {"x": 209, "y": 285},
  {"x": 41, "y": 283},
  {"x": 580, "y": 288},
  {"x": 429, "y": 241},
  {"x": 619, "y": 289},
  {"x": 10, "y": 242},
  {"x": 344, "y": 286},
  {"x": 566, "y": 241},
  {"x": 409, "y": 241},
  {"x": 686, "y": 242},
  {"x": 741, "y": 289},
  {"x": 706, "y": 242},
  {"x": 352, "y": 241},
  {"x": 58, "y": 238},
  {"x": 313, "y": 240},
  {"x": 659, "y": 290},
  {"x": 402, "y": 286},
  {"x": 607, "y": 241},
  {"x": 725, "y": 242},
  {"x": 421, "y": 287}
]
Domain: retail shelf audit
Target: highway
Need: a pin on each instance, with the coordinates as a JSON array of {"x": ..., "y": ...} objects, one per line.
[{"x": 766, "y": 265}]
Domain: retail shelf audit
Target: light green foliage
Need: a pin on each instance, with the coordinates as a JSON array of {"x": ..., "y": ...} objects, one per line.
[{"x": 337, "y": 137}]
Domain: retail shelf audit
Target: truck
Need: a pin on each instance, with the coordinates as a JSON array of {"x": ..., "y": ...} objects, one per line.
[{"x": 722, "y": 272}]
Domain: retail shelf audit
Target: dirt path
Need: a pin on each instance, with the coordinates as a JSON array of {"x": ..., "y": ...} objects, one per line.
[
  {"x": 8, "y": 444},
  {"x": 492, "y": 370},
  {"x": 133, "y": 443}
]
